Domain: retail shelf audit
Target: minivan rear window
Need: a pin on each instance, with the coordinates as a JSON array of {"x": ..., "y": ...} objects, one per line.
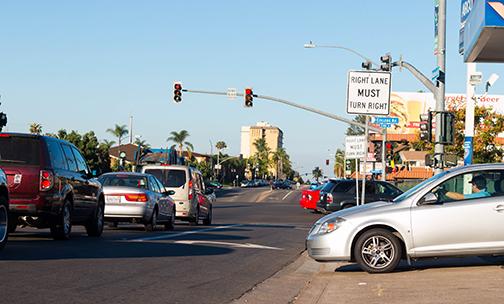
[
  {"x": 19, "y": 150},
  {"x": 169, "y": 177}
]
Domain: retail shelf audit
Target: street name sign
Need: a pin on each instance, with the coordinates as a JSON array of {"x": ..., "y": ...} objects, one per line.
[
  {"x": 354, "y": 147},
  {"x": 385, "y": 120},
  {"x": 368, "y": 93}
]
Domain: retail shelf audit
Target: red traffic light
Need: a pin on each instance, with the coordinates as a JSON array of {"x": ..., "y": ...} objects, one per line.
[
  {"x": 248, "y": 92},
  {"x": 178, "y": 86}
]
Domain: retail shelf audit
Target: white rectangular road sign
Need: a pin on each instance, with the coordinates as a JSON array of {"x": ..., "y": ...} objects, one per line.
[
  {"x": 354, "y": 147},
  {"x": 368, "y": 93}
]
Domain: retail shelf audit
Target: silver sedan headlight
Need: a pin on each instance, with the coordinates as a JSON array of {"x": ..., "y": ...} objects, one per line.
[{"x": 329, "y": 225}]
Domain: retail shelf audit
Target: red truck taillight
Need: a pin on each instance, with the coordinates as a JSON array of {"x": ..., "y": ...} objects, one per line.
[{"x": 46, "y": 180}]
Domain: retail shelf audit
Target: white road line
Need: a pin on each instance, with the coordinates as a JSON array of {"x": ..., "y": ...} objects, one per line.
[
  {"x": 287, "y": 195},
  {"x": 236, "y": 245},
  {"x": 174, "y": 235}
]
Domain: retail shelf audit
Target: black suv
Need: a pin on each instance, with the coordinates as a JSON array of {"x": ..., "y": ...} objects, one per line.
[
  {"x": 50, "y": 185},
  {"x": 340, "y": 194}
]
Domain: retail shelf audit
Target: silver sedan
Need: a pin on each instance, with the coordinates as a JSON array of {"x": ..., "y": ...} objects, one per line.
[
  {"x": 138, "y": 198},
  {"x": 455, "y": 213}
]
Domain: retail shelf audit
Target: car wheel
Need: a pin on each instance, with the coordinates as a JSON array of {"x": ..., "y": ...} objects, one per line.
[
  {"x": 151, "y": 225},
  {"x": 62, "y": 226},
  {"x": 4, "y": 222},
  {"x": 13, "y": 223},
  {"x": 208, "y": 220},
  {"x": 95, "y": 226},
  {"x": 378, "y": 251},
  {"x": 195, "y": 220},
  {"x": 171, "y": 222}
]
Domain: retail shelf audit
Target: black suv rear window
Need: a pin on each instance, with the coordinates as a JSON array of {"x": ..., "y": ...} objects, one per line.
[
  {"x": 19, "y": 150},
  {"x": 169, "y": 177}
]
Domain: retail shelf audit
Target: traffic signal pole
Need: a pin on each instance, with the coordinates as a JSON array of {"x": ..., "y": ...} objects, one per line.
[
  {"x": 309, "y": 109},
  {"x": 440, "y": 97}
]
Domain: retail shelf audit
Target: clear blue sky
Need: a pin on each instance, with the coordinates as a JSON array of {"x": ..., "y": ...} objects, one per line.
[{"x": 88, "y": 65}]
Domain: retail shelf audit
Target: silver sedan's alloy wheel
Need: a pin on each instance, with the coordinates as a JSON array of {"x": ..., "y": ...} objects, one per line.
[
  {"x": 4, "y": 217},
  {"x": 378, "y": 252}
]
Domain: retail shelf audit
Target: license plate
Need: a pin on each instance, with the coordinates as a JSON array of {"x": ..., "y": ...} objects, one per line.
[{"x": 113, "y": 199}]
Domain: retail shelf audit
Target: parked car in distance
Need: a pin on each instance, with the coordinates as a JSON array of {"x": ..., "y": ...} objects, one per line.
[
  {"x": 213, "y": 185},
  {"x": 137, "y": 197},
  {"x": 281, "y": 184},
  {"x": 191, "y": 202},
  {"x": 339, "y": 194},
  {"x": 310, "y": 197},
  {"x": 455, "y": 213},
  {"x": 50, "y": 185},
  {"x": 4, "y": 210}
]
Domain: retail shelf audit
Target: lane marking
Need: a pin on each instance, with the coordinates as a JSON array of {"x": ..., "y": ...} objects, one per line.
[
  {"x": 237, "y": 245},
  {"x": 287, "y": 195},
  {"x": 174, "y": 235}
]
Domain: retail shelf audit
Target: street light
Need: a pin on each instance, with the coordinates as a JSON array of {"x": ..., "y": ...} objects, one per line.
[{"x": 312, "y": 45}]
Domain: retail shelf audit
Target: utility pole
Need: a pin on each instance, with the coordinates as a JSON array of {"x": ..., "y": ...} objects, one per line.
[
  {"x": 131, "y": 129},
  {"x": 440, "y": 83}
]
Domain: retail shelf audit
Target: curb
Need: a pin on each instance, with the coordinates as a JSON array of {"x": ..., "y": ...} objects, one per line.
[{"x": 285, "y": 285}]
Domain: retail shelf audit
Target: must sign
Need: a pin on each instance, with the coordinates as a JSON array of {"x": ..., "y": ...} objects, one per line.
[
  {"x": 355, "y": 147},
  {"x": 368, "y": 93}
]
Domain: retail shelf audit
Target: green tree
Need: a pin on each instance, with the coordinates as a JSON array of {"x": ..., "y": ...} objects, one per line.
[
  {"x": 339, "y": 163},
  {"x": 36, "y": 128},
  {"x": 120, "y": 132},
  {"x": 261, "y": 157},
  {"x": 96, "y": 155},
  {"x": 317, "y": 173},
  {"x": 220, "y": 145},
  {"x": 281, "y": 162},
  {"x": 179, "y": 138},
  {"x": 355, "y": 130}
]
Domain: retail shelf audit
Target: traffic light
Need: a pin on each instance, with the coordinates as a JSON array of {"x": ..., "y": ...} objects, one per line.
[
  {"x": 386, "y": 63},
  {"x": 177, "y": 92},
  {"x": 327, "y": 162},
  {"x": 3, "y": 120},
  {"x": 348, "y": 165},
  {"x": 389, "y": 151},
  {"x": 249, "y": 97},
  {"x": 367, "y": 65},
  {"x": 378, "y": 151},
  {"x": 447, "y": 126},
  {"x": 426, "y": 127}
]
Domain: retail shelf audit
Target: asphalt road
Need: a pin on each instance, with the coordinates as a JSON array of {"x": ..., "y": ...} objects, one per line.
[{"x": 255, "y": 233}]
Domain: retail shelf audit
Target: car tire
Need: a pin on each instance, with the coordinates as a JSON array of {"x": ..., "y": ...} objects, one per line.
[
  {"x": 4, "y": 222},
  {"x": 194, "y": 221},
  {"x": 170, "y": 225},
  {"x": 94, "y": 227},
  {"x": 151, "y": 224},
  {"x": 13, "y": 223},
  {"x": 61, "y": 228},
  {"x": 378, "y": 251},
  {"x": 208, "y": 219}
]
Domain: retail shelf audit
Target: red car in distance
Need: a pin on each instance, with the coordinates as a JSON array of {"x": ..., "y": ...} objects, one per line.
[{"x": 310, "y": 197}]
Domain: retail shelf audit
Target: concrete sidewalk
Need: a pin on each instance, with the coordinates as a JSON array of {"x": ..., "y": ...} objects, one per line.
[{"x": 450, "y": 280}]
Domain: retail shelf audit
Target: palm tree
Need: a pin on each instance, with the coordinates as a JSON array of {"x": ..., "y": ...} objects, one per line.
[
  {"x": 108, "y": 143},
  {"x": 317, "y": 173},
  {"x": 279, "y": 159},
  {"x": 36, "y": 128},
  {"x": 179, "y": 138},
  {"x": 119, "y": 131},
  {"x": 142, "y": 143},
  {"x": 339, "y": 163},
  {"x": 262, "y": 155},
  {"x": 220, "y": 145}
]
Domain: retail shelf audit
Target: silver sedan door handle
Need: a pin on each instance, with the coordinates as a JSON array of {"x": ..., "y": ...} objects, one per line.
[{"x": 499, "y": 208}]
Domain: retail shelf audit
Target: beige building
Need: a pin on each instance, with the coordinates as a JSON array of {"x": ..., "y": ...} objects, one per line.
[
  {"x": 271, "y": 134},
  {"x": 249, "y": 134}
]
